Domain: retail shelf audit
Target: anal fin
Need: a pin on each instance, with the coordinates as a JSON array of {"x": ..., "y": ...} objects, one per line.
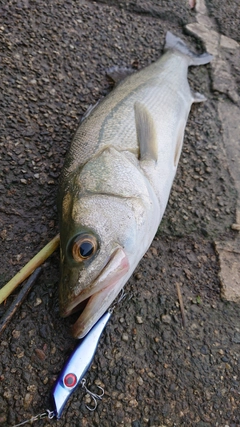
[
  {"x": 146, "y": 133},
  {"x": 198, "y": 97}
]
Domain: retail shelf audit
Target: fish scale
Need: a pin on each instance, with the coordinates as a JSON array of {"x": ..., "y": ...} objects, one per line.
[
  {"x": 117, "y": 179},
  {"x": 96, "y": 124}
]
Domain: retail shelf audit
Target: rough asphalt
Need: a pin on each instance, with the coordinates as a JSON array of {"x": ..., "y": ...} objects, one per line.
[{"x": 154, "y": 372}]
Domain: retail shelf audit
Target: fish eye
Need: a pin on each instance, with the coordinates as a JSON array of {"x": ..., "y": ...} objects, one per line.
[{"x": 84, "y": 246}]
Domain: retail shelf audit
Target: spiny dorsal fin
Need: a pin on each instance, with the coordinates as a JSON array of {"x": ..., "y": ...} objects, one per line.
[
  {"x": 90, "y": 108},
  {"x": 146, "y": 133}
]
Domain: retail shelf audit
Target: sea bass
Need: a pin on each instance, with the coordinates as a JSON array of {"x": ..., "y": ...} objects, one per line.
[{"x": 117, "y": 178}]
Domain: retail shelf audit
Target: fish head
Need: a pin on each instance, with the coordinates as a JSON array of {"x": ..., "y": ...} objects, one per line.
[{"x": 98, "y": 254}]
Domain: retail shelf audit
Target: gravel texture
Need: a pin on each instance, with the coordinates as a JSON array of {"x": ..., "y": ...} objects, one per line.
[
  {"x": 155, "y": 372},
  {"x": 227, "y": 17}
]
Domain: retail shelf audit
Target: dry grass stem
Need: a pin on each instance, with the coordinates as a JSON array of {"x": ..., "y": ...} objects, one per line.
[{"x": 28, "y": 269}]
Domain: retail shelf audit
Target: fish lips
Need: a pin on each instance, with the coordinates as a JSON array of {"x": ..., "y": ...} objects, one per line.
[{"x": 100, "y": 294}]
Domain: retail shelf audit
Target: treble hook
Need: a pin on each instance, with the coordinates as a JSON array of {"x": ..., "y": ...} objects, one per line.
[{"x": 94, "y": 396}]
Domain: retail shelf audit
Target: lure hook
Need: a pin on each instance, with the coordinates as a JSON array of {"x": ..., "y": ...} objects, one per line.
[
  {"x": 122, "y": 296},
  {"x": 95, "y": 397}
]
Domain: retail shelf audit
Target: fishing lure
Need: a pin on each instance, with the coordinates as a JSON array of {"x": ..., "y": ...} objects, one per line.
[
  {"x": 73, "y": 372},
  {"x": 77, "y": 365}
]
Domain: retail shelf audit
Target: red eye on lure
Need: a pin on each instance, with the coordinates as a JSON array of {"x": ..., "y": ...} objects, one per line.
[
  {"x": 73, "y": 372},
  {"x": 77, "y": 366}
]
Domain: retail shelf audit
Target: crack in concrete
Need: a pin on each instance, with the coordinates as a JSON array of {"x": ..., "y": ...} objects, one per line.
[
  {"x": 229, "y": 113},
  {"x": 142, "y": 9},
  {"x": 216, "y": 44}
]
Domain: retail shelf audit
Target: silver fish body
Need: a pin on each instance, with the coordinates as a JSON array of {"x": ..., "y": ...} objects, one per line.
[{"x": 117, "y": 179}]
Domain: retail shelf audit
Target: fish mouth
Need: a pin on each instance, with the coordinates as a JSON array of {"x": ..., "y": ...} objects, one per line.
[{"x": 98, "y": 297}]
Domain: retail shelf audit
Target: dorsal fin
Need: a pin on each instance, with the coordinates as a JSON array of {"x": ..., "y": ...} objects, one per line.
[
  {"x": 117, "y": 74},
  {"x": 90, "y": 108},
  {"x": 146, "y": 133}
]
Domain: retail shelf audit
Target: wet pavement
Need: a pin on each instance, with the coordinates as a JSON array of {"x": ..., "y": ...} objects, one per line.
[{"x": 154, "y": 372}]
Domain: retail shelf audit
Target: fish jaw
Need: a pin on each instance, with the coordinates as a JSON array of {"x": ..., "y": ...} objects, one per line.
[
  {"x": 95, "y": 308},
  {"x": 100, "y": 293}
]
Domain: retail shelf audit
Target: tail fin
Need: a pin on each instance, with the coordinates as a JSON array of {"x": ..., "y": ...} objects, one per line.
[{"x": 174, "y": 42}]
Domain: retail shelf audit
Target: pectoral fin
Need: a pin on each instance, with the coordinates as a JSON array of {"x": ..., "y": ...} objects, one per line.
[
  {"x": 179, "y": 142},
  {"x": 146, "y": 133}
]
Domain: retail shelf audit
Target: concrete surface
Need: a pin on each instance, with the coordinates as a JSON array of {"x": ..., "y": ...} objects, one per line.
[
  {"x": 155, "y": 372},
  {"x": 229, "y": 112}
]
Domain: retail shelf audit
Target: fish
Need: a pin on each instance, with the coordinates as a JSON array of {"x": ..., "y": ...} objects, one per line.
[{"x": 116, "y": 181}]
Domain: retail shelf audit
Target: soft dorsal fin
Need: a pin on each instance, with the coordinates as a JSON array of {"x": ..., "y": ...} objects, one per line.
[
  {"x": 146, "y": 133},
  {"x": 117, "y": 74}
]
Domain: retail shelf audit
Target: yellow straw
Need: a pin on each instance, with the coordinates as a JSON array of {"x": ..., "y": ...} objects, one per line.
[{"x": 28, "y": 269}]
